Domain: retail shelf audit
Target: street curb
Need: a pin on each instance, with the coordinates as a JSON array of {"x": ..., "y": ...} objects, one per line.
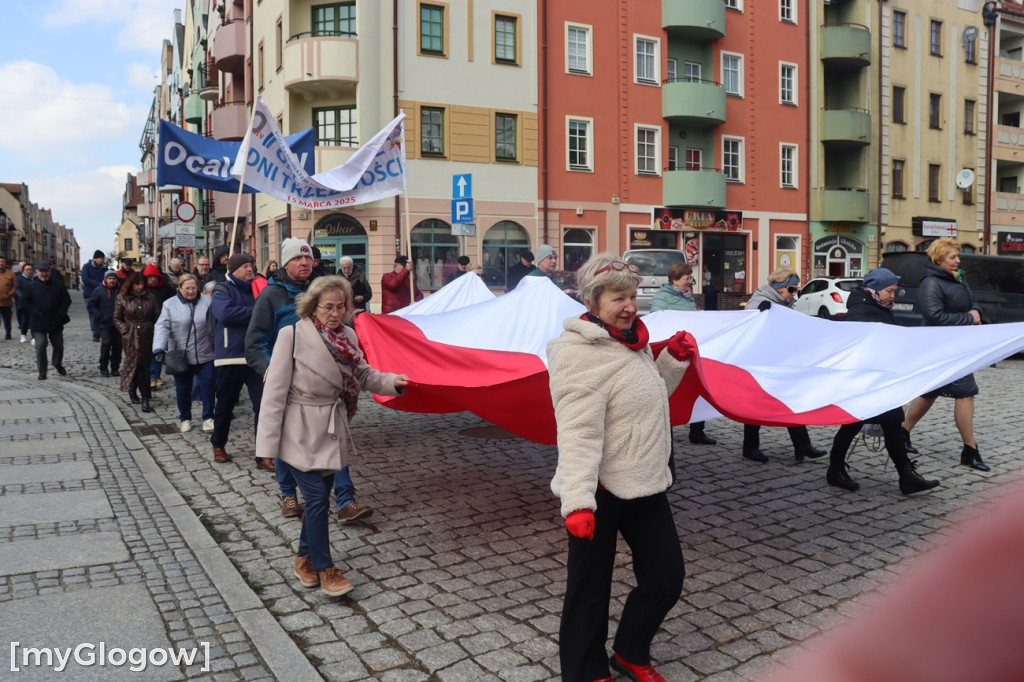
[{"x": 281, "y": 654}]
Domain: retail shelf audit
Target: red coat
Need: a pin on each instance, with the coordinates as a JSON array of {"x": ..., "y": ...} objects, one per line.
[{"x": 395, "y": 291}]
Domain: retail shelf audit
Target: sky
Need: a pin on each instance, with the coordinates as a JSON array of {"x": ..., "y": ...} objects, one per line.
[{"x": 76, "y": 83}]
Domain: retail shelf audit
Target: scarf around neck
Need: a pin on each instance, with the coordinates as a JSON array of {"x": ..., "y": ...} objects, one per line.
[
  {"x": 347, "y": 356},
  {"x": 634, "y": 338}
]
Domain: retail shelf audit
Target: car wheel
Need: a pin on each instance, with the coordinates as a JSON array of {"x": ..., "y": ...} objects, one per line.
[{"x": 823, "y": 313}]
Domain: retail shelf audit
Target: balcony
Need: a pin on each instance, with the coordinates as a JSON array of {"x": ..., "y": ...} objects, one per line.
[
  {"x": 697, "y": 103},
  {"x": 230, "y": 119},
  {"x": 693, "y": 19},
  {"x": 321, "y": 66},
  {"x": 845, "y": 205},
  {"x": 1007, "y": 209},
  {"x": 195, "y": 109},
  {"x": 1008, "y": 144},
  {"x": 704, "y": 188},
  {"x": 224, "y": 208},
  {"x": 846, "y": 127},
  {"x": 1009, "y": 76},
  {"x": 229, "y": 45},
  {"x": 845, "y": 46},
  {"x": 207, "y": 82}
]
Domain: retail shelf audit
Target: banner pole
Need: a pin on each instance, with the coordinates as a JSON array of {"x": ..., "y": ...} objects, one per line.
[
  {"x": 241, "y": 182},
  {"x": 408, "y": 245}
]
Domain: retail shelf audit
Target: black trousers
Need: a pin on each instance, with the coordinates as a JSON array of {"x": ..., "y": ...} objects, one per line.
[
  {"x": 56, "y": 339},
  {"x": 647, "y": 527},
  {"x": 24, "y": 320},
  {"x": 752, "y": 436},
  {"x": 5, "y": 316},
  {"x": 140, "y": 380},
  {"x": 892, "y": 425},
  {"x": 110, "y": 349},
  {"x": 228, "y": 382}
]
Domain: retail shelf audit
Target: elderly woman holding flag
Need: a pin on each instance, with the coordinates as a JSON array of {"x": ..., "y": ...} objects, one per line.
[{"x": 614, "y": 439}]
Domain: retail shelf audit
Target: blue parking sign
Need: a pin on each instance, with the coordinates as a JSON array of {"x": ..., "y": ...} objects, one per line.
[{"x": 462, "y": 210}]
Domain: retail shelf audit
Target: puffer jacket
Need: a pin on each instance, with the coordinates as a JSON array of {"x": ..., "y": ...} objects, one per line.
[
  {"x": 766, "y": 292},
  {"x": 92, "y": 277},
  {"x": 611, "y": 407},
  {"x": 943, "y": 301},
  {"x": 231, "y": 306},
  {"x": 182, "y": 325},
  {"x": 274, "y": 309},
  {"x": 101, "y": 304},
  {"x": 861, "y": 306},
  {"x": 670, "y": 298}
]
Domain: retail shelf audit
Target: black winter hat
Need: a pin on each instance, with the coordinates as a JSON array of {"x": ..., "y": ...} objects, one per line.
[{"x": 98, "y": 254}]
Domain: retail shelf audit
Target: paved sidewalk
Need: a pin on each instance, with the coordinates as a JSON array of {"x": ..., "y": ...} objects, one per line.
[{"x": 460, "y": 572}]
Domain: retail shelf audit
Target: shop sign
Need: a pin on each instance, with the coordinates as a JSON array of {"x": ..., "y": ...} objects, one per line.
[
  {"x": 936, "y": 228},
  {"x": 837, "y": 228},
  {"x": 338, "y": 225},
  {"x": 1011, "y": 243},
  {"x": 696, "y": 219},
  {"x": 851, "y": 245}
]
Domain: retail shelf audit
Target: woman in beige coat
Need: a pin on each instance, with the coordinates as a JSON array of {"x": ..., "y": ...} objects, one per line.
[{"x": 310, "y": 393}]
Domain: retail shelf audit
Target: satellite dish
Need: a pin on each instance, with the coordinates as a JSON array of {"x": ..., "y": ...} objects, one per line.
[
  {"x": 965, "y": 178},
  {"x": 970, "y": 33}
]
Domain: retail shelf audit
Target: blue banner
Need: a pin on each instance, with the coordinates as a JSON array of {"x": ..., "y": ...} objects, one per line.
[{"x": 192, "y": 160}]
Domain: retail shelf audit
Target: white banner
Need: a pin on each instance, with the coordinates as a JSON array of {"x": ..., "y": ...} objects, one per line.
[{"x": 375, "y": 171}]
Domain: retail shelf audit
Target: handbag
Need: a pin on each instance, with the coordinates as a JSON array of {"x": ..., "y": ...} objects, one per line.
[{"x": 175, "y": 362}]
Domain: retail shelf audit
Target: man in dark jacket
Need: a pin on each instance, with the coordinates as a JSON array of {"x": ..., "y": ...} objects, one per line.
[
  {"x": 47, "y": 301},
  {"x": 872, "y": 302},
  {"x": 231, "y": 309},
  {"x": 93, "y": 273},
  {"x": 361, "y": 291},
  {"x": 125, "y": 271},
  {"x": 219, "y": 271},
  {"x": 462, "y": 262},
  {"x": 520, "y": 269},
  {"x": 101, "y": 306}
]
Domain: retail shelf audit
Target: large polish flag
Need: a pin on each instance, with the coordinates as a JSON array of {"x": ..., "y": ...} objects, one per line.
[{"x": 471, "y": 351}]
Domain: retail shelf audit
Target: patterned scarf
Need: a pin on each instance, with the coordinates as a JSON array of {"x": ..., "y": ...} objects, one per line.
[
  {"x": 635, "y": 338},
  {"x": 347, "y": 356},
  {"x": 874, "y": 295}
]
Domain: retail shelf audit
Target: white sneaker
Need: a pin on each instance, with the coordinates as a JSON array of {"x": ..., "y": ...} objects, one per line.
[
  {"x": 185, "y": 426},
  {"x": 33, "y": 340},
  {"x": 24, "y": 339},
  {"x": 208, "y": 425}
]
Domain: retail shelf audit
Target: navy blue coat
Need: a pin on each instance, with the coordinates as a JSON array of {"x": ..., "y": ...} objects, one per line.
[
  {"x": 231, "y": 309},
  {"x": 47, "y": 303},
  {"x": 92, "y": 277},
  {"x": 101, "y": 304}
]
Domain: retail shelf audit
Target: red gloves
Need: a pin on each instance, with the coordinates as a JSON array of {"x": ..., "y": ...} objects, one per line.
[
  {"x": 581, "y": 524},
  {"x": 682, "y": 346}
]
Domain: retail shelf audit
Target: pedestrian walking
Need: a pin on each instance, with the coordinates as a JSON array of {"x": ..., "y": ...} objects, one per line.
[
  {"x": 47, "y": 301},
  {"x": 202, "y": 268},
  {"x": 162, "y": 291},
  {"x": 25, "y": 277},
  {"x": 175, "y": 269},
  {"x": 219, "y": 271},
  {"x": 101, "y": 305},
  {"x": 614, "y": 443},
  {"x": 93, "y": 273},
  {"x": 182, "y": 326},
  {"x": 125, "y": 271},
  {"x": 780, "y": 289},
  {"x": 312, "y": 390},
  {"x": 231, "y": 309},
  {"x": 135, "y": 314},
  {"x": 8, "y": 284}
]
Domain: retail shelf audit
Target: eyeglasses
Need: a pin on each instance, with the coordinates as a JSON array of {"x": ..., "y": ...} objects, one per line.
[
  {"x": 792, "y": 290},
  {"x": 331, "y": 309},
  {"x": 618, "y": 266}
]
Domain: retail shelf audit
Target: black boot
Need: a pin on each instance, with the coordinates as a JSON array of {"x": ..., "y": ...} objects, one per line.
[
  {"x": 912, "y": 482},
  {"x": 755, "y": 455},
  {"x": 808, "y": 451},
  {"x": 970, "y": 457},
  {"x": 840, "y": 478},
  {"x": 906, "y": 441},
  {"x": 145, "y": 405},
  {"x": 133, "y": 395}
]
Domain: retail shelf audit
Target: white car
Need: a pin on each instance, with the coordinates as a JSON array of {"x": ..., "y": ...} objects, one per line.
[{"x": 826, "y": 296}]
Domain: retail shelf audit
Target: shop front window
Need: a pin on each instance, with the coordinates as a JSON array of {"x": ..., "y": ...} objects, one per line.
[
  {"x": 577, "y": 247},
  {"x": 838, "y": 255},
  {"x": 501, "y": 245},
  {"x": 786, "y": 249},
  {"x": 434, "y": 252}
]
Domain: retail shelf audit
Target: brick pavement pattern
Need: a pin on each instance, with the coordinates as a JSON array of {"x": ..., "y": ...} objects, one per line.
[{"x": 459, "y": 574}]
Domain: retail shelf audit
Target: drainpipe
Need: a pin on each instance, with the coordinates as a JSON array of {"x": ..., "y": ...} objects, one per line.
[
  {"x": 881, "y": 126},
  {"x": 544, "y": 117},
  {"x": 990, "y": 17},
  {"x": 394, "y": 80}
]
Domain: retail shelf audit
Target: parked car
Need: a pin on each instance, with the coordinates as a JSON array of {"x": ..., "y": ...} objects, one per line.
[
  {"x": 654, "y": 265},
  {"x": 997, "y": 283},
  {"x": 826, "y": 296}
]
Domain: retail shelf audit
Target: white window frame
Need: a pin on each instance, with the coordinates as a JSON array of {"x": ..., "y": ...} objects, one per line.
[
  {"x": 693, "y": 159},
  {"x": 734, "y": 4},
  {"x": 793, "y": 162},
  {"x": 656, "y": 160},
  {"x": 739, "y": 76},
  {"x": 740, "y": 165},
  {"x": 788, "y": 7},
  {"x": 673, "y": 157},
  {"x": 794, "y": 73},
  {"x": 589, "y": 47},
  {"x": 671, "y": 70},
  {"x": 655, "y": 57},
  {"x": 688, "y": 66},
  {"x": 589, "y": 166}
]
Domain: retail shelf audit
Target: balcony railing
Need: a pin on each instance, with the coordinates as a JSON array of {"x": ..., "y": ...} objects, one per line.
[
  {"x": 845, "y": 46},
  {"x": 229, "y": 45},
  {"x": 229, "y": 120},
  {"x": 694, "y": 187},
  {"x": 693, "y": 101},
  {"x": 318, "y": 63},
  {"x": 209, "y": 81},
  {"x": 846, "y": 127},
  {"x": 693, "y": 19}
]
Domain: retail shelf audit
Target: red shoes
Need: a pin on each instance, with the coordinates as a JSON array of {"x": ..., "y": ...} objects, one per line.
[{"x": 637, "y": 673}]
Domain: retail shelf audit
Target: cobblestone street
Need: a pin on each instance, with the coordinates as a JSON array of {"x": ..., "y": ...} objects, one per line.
[{"x": 459, "y": 573}]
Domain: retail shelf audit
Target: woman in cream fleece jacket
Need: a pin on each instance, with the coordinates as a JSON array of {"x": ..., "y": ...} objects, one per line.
[{"x": 614, "y": 438}]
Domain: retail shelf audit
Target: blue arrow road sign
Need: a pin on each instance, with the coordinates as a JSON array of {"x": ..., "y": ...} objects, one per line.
[
  {"x": 462, "y": 210},
  {"x": 462, "y": 186}
]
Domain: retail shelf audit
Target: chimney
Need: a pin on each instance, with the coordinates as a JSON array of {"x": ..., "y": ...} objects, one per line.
[{"x": 177, "y": 16}]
